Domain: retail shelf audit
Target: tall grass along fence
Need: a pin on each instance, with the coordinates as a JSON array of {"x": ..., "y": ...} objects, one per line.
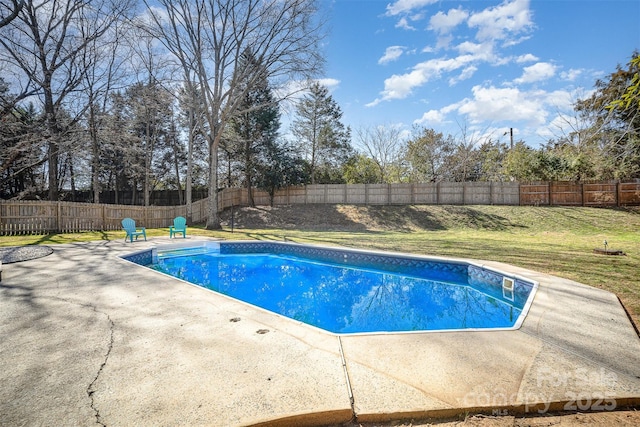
[{"x": 29, "y": 217}]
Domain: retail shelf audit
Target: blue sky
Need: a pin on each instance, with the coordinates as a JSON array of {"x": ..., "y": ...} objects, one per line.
[{"x": 486, "y": 66}]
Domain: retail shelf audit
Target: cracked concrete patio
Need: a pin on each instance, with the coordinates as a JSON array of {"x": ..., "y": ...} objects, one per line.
[{"x": 88, "y": 338}]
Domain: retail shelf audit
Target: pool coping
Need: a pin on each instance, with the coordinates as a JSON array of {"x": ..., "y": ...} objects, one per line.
[
  {"x": 145, "y": 257},
  {"x": 93, "y": 341}
]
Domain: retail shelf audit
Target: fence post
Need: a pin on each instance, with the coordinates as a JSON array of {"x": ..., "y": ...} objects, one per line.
[
  {"x": 464, "y": 193},
  {"x": 618, "y": 195},
  {"x": 491, "y": 192},
  {"x": 58, "y": 217}
]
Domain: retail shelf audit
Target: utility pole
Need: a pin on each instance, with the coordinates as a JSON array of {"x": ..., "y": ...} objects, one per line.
[
  {"x": 511, "y": 136},
  {"x": 511, "y": 132}
]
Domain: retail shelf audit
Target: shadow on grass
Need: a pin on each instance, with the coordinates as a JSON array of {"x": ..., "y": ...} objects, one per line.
[
  {"x": 466, "y": 216},
  {"x": 299, "y": 218},
  {"x": 310, "y": 218}
]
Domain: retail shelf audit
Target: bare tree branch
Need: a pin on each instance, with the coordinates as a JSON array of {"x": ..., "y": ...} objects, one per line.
[{"x": 208, "y": 37}]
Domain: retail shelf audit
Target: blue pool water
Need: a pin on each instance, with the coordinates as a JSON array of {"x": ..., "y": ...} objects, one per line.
[{"x": 343, "y": 292}]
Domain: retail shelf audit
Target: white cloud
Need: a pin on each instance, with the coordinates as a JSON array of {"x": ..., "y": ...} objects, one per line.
[
  {"x": 571, "y": 75},
  {"x": 401, "y": 86},
  {"x": 405, "y": 6},
  {"x": 504, "y": 104},
  {"x": 391, "y": 54},
  {"x": 479, "y": 50},
  {"x": 404, "y": 24},
  {"x": 513, "y": 105},
  {"x": 444, "y": 41},
  {"x": 537, "y": 72},
  {"x": 502, "y": 21},
  {"x": 467, "y": 73},
  {"x": 561, "y": 100},
  {"x": 526, "y": 58},
  {"x": 329, "y": 83},
  {"x": 443, "y": 23},
  {"x": 432, "y": 117}
]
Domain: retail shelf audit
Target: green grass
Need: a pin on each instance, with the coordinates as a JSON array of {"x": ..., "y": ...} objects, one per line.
[{"x": 554, "y": 240}]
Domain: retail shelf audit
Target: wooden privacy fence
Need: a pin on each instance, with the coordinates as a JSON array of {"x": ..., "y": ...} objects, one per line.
[
  {"x": 34, "y": 217},
  {"x": 609, "y": 193},
  {"x": 31, "y": 217},
  {"x": 442, "y": 193}
]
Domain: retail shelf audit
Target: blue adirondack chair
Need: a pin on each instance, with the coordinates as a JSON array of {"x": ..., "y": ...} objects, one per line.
[
  {"x": 129, "y": 226},
  {"x": 179, "y": 226}
]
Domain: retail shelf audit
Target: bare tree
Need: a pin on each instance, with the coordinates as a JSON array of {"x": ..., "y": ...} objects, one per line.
[
  {"x": 464, "y": 162},
  {"x": 105, "y": 68},
  {"x": 42, "y": 47},
  {"x": 150, "y": 68},
  {"x": 9, "y": 10},
  {"x": 385, "y": 146},
  {"x": 192, "y": 118},
  {"x": 208, "y": 37}
]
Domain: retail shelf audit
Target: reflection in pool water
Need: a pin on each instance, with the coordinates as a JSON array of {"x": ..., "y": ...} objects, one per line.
[{"x": 342, "y": 298}]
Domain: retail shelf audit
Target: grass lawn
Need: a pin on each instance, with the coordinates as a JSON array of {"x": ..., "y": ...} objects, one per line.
[{"x": 553, "y": 240}]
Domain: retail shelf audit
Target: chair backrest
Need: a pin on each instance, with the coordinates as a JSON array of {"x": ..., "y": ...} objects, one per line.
[
  {"x": 179, "y": 222},
  {"x": 129, "y": 224}
]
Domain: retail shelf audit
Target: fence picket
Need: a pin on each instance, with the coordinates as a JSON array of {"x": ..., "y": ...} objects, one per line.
[{"x": 42, "y": 217}]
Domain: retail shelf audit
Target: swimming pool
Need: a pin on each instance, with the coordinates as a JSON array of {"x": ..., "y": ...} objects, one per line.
[{"x": 351, "y": 291}]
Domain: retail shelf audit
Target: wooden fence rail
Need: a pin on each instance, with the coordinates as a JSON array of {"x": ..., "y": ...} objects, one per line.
[
  {"x": 37, "y": 217},
  {"x": 598, "y": 194}
]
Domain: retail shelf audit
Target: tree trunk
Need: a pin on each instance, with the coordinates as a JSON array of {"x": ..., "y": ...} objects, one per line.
[
  {"x": 147, "y": 162},
  {"x": 248, "y": 174},
  {"x": 72, "y": 178},
  {"x": 95, "y": 154},
  {"x": 176, "y": 165},
  {"x": 53, "y": 171},
  {"x": 213, "y": 220},
  {"x": 192, "y": 129}
]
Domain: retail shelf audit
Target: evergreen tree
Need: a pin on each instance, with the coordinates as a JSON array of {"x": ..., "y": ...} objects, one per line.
[
  {"x": 255, "y": 128},
  {"x": 428, "y": 153},
  {"x": 280, "y": 167},
  {"x": 21, "y": 149},
  {"x": 325, "y": 141}
]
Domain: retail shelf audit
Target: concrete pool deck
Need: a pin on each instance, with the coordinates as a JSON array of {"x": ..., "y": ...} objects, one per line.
[{"x": 86, "y": 338}]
